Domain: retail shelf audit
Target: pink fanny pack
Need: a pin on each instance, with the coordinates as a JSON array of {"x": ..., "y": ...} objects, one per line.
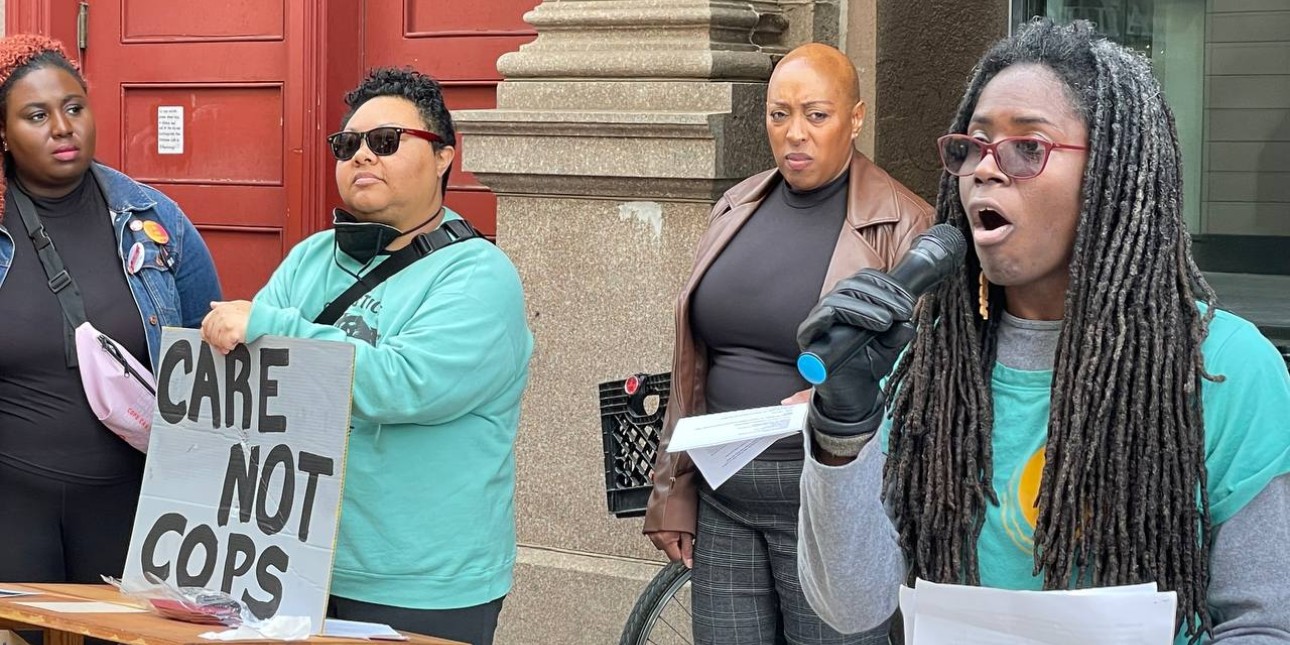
[{"x": 121, "y": 391}]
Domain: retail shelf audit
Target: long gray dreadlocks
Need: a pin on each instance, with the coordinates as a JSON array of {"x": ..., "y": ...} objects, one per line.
[{"x": 1125, "y": 466}]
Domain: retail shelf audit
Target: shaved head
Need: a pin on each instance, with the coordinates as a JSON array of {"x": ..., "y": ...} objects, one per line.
[
  {"x": 813, "y": 115},
  {"x": 826, "y": 61}
]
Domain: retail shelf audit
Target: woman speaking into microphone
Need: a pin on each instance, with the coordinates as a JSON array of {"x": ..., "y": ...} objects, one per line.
[{"x": 1074, "y": 409}]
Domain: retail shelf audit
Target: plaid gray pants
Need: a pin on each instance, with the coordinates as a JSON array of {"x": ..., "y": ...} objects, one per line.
[{"x": 744, "y": 587}]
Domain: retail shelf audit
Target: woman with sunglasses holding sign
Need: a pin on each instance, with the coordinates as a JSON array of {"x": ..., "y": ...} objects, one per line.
[
  {"x": 427, "y": 530},
  {"x": 131, "y": 262},
  {"x": 1074, "y": 409}
]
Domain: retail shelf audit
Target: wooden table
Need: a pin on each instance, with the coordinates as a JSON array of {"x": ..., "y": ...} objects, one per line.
[{"x": 132, "y": 628}]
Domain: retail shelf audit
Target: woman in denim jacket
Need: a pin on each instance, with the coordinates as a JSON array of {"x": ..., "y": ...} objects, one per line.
[{"x": 68, "y": 486}]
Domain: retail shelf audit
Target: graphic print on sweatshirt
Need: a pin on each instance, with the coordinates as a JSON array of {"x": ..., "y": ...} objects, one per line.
[{"x": 355, "y": 321}]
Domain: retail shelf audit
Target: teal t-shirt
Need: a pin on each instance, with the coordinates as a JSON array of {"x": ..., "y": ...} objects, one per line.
[
  {"x": 441, "y": 361},
  {"x": 1247, "y": 443}
]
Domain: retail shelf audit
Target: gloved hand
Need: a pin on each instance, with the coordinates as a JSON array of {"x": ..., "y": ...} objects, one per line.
[{"x": 850, "y": 401}]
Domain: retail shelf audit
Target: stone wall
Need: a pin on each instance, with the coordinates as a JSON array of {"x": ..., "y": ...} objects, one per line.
[{"x": 925, "y": 53}]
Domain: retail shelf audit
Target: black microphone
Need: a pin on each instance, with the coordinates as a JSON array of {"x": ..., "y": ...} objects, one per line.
[{"x": 932, "y": 257}]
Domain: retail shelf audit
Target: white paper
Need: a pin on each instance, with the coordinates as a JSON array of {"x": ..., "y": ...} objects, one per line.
[
  {"x": 909, "y": 611},
  {"x": 358, "y": 629},
  {"x": 719, "y": 463},
  {"x": 170, "y": 129},
  {"x": 79, "y": 607},
  {"x": 708, "y": 430},
  {"x": 941, "y": 614},
  {"x": 720, "y": 444},
  {"x": 278, "y": 628},
  {"x": 909, "y": 601}
]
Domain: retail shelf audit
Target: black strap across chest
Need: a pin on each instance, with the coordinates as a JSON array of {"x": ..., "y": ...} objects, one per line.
[
  {"x": 60, "y": 281},
  {"x": 451, "y": 232}
]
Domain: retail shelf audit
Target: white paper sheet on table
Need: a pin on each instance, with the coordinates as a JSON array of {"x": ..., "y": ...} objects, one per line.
[
  {"x": 359, "y": 629},
  {"x": 84, "y": 607},
  {"x": 1128, "y": 615},
  {"x": 720, "y": 444}
]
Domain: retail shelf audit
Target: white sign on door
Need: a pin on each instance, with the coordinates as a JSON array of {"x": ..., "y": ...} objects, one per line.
[
  {"x": 242, "y": 487},
  {"x": 170, "y": 129}
]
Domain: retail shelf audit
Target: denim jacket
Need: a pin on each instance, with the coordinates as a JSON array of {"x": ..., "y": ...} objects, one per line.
[{"x": 176, "y": 282}]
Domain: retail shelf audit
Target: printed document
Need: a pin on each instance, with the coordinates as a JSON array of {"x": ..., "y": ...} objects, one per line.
[
  {"x": 1128, "y": 615},
  {"x": 720, "y": 444}
]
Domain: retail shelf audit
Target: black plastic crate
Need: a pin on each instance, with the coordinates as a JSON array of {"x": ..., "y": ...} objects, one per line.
[{"x": 631, "y": 418}]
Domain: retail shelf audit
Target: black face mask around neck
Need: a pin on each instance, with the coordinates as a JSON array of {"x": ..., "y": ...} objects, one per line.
[{"x": 363, "y": 241}]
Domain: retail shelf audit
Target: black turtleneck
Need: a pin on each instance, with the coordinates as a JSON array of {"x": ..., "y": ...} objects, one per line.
[
  {"x": 46, "y": 424},
  {"x": 748, "y": 305}
]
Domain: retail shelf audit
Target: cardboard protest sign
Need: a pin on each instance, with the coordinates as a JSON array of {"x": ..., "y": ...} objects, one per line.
[{"x": 242, "y": 487}]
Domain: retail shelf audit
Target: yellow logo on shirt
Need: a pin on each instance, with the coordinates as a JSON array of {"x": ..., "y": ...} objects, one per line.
[{"x": 1020, "y": 502}]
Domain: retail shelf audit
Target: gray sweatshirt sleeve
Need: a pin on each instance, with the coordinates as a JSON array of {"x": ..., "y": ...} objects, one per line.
[
  {"x": 1249, "y": 587},
  {"x": 851, "y": 566},
  {"x": 848, "y": 557}
]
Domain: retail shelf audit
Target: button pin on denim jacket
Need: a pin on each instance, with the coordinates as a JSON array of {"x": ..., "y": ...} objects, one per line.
[
  {"x": 134, "y": 261},
  {"x": 156, "y": 232}
]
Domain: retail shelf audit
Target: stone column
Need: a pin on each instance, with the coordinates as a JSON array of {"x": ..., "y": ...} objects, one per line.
[
  {"x": 860, "y": 43},
  {"x": 614, "y": 132},
  {"x": 925, "y": 55}
]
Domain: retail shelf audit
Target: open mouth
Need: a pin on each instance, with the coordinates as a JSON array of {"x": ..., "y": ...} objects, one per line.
[
  {"x": 990, "y": 227},
  {"x": 991, "y": 219}
]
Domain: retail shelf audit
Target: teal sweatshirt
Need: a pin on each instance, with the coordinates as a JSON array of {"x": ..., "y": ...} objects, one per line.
[{"x": 441, "y": 360}]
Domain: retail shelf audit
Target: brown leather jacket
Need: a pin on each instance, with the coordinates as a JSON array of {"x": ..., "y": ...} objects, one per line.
[{"x": 882, "y": 219}]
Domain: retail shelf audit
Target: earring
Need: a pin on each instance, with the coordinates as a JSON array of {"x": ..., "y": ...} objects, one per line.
[
  {"x": 6, "y": 146},
  {"x": 983, "y": 298}
]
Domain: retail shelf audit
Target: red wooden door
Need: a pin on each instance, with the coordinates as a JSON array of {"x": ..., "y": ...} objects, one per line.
[
  {"x": 243, "y": 93},
  {"x": 458, "y": 43},
  {"x": 207, "y": 102}
]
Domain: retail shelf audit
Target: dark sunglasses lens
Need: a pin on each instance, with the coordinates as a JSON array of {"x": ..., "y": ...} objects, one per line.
[
  {"x": 383, "y": 141},
  {"x": 960, "y": 155},
  {"x": 344, "y": 144},
  {"x": 1022, "y": 158}
]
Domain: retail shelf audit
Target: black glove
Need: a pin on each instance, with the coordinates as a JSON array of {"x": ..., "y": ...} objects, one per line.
[{"x": 850, "y": 401}]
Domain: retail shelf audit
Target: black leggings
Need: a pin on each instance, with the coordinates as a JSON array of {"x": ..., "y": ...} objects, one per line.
[
  {"x": 474, "y": 625},
  {"x": 60, "y": 532}
]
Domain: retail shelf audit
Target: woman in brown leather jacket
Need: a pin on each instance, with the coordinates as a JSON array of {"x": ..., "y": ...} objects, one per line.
[{"x": 775, "y": 243}]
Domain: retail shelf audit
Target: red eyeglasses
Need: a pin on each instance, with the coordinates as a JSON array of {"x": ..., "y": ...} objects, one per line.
[
  {"x": 383, "y": 141},
  {"x": 1017, "y": 157}
]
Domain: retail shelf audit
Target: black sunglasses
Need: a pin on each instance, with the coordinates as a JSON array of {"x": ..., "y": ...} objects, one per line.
[{"x": 383, "y": 141}]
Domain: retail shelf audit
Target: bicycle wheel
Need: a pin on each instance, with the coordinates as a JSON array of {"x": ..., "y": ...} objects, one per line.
[{"x": 662, "y": 613}]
